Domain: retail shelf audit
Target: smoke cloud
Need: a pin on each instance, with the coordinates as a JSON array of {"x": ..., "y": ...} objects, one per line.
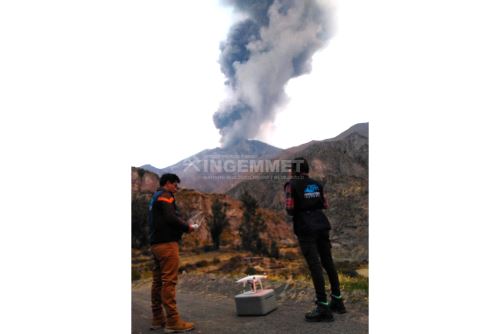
[{"x": 273, "y": 43}]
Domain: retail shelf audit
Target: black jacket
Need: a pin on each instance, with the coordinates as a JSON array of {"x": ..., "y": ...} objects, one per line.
[
  {"x": 305, "y": 201},
  {"x": 166, "y": 226}
]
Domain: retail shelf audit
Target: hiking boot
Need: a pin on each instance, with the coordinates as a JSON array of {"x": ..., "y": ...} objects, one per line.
[
  {"x": 321, "y": 313},
  {"x": 337, "y": 305},
  {"x": 179, "y": 326},
  {"x": 157, "y": 324}
]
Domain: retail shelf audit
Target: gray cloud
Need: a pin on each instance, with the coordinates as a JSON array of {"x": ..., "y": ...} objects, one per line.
[{"x": 273, "y": 43}]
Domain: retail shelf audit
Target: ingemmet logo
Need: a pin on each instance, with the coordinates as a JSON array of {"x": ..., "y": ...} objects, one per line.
[{"x": 239, "y": 164}]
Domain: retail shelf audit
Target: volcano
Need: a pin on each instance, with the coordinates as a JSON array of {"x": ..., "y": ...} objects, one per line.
[{"x": 197, "y": 171}]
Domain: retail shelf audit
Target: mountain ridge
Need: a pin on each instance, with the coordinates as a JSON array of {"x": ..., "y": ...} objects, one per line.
[
  {"x": 194, "y": 171},
  {"x": 361, "y": 128}
]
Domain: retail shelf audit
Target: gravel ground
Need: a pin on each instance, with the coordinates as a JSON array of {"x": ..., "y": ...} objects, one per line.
[{"x": 208, "y": 301}]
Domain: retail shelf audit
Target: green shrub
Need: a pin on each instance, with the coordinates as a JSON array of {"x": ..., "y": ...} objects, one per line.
[
  {"x": 348, "y": 283},
  {"x": 234, "y": 263},
  {"x": 290, "y": 256},
  {"x": 275, "y": 250},
  {"x": 136, "y": 275},
  {"x": 140, "y": 230},
  {"x": 202, "y": 263},
  {"x": 250, "y": 271},
  {"x": 218, "y": 222},
  {"x": 251, "y": 226}
]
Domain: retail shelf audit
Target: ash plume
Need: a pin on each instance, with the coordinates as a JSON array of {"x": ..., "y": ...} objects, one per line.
[{"x": 273, "y": 43}]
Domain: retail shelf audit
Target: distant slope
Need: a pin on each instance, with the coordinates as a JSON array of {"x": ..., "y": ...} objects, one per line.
[
  {"x": 193, "y": 170},
  {"x": 360, "y": 128},
  {"x": 197, "y": 171},
  {"x": 152, "y": 169}
]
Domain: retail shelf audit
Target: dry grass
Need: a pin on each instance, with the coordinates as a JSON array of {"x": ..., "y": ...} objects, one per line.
[
  {"x": 209, "y": 256},
  {"x": 290, "y": 266}
]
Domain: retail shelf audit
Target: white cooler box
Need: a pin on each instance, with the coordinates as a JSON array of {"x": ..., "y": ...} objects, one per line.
[{"x": 260, "y": 302}]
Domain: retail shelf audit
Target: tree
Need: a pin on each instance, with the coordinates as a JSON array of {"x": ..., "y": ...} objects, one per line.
[
  {"x": 274, "y": 251},
  {"x": 217, "y": 222},
  {"x": 140, "y": 228},
  {"x": 251, "y": 226}
]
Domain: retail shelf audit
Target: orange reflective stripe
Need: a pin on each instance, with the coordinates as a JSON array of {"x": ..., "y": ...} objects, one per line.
[{"x": 168, "y": 200}]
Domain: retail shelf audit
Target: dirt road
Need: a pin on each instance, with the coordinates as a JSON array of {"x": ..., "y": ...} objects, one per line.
[{"x": 214, "y": 312}]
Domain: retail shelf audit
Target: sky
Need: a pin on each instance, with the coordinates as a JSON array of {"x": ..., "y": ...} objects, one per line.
[
  {"x": 90, "y": 88},
  {"x": 182, "y": 83}
]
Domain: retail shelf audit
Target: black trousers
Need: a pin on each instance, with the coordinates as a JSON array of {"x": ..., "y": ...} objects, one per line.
[{"x": 316, "y": 248}]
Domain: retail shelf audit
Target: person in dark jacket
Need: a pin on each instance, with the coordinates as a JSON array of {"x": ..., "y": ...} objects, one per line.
[
  {"x": 305, "y": 200},
  {"x": 166, "y": 229}
]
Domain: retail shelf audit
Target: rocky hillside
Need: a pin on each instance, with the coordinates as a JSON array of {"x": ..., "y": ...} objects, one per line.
[
  {"x": 196, "y": 207},
  {"x": 342, "y": 166}
]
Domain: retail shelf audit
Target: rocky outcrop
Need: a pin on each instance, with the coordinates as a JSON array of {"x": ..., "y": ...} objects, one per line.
[
  {"x": 196, "y": 207},
  {"x": 144, "y": 181}
]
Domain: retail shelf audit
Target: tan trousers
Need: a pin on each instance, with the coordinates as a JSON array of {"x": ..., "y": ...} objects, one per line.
[{"x": 166, "y": 266}]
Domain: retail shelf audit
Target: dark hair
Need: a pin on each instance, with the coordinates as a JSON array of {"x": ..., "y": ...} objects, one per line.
[
  {"x": 169, "y": 178},
  {"x": 300, "y": 166}
]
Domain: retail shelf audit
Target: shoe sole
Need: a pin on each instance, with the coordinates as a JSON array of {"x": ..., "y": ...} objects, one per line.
[
  {"x": 320, "y": 320},
  {"x": 178, "y": 330},
  {"x": 155, "y": 327}
]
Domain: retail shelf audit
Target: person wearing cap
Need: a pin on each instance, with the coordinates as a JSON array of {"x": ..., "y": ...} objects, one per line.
[
  {"x": 166, "y": 229},
  {"x": 305, "y": 201}
]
